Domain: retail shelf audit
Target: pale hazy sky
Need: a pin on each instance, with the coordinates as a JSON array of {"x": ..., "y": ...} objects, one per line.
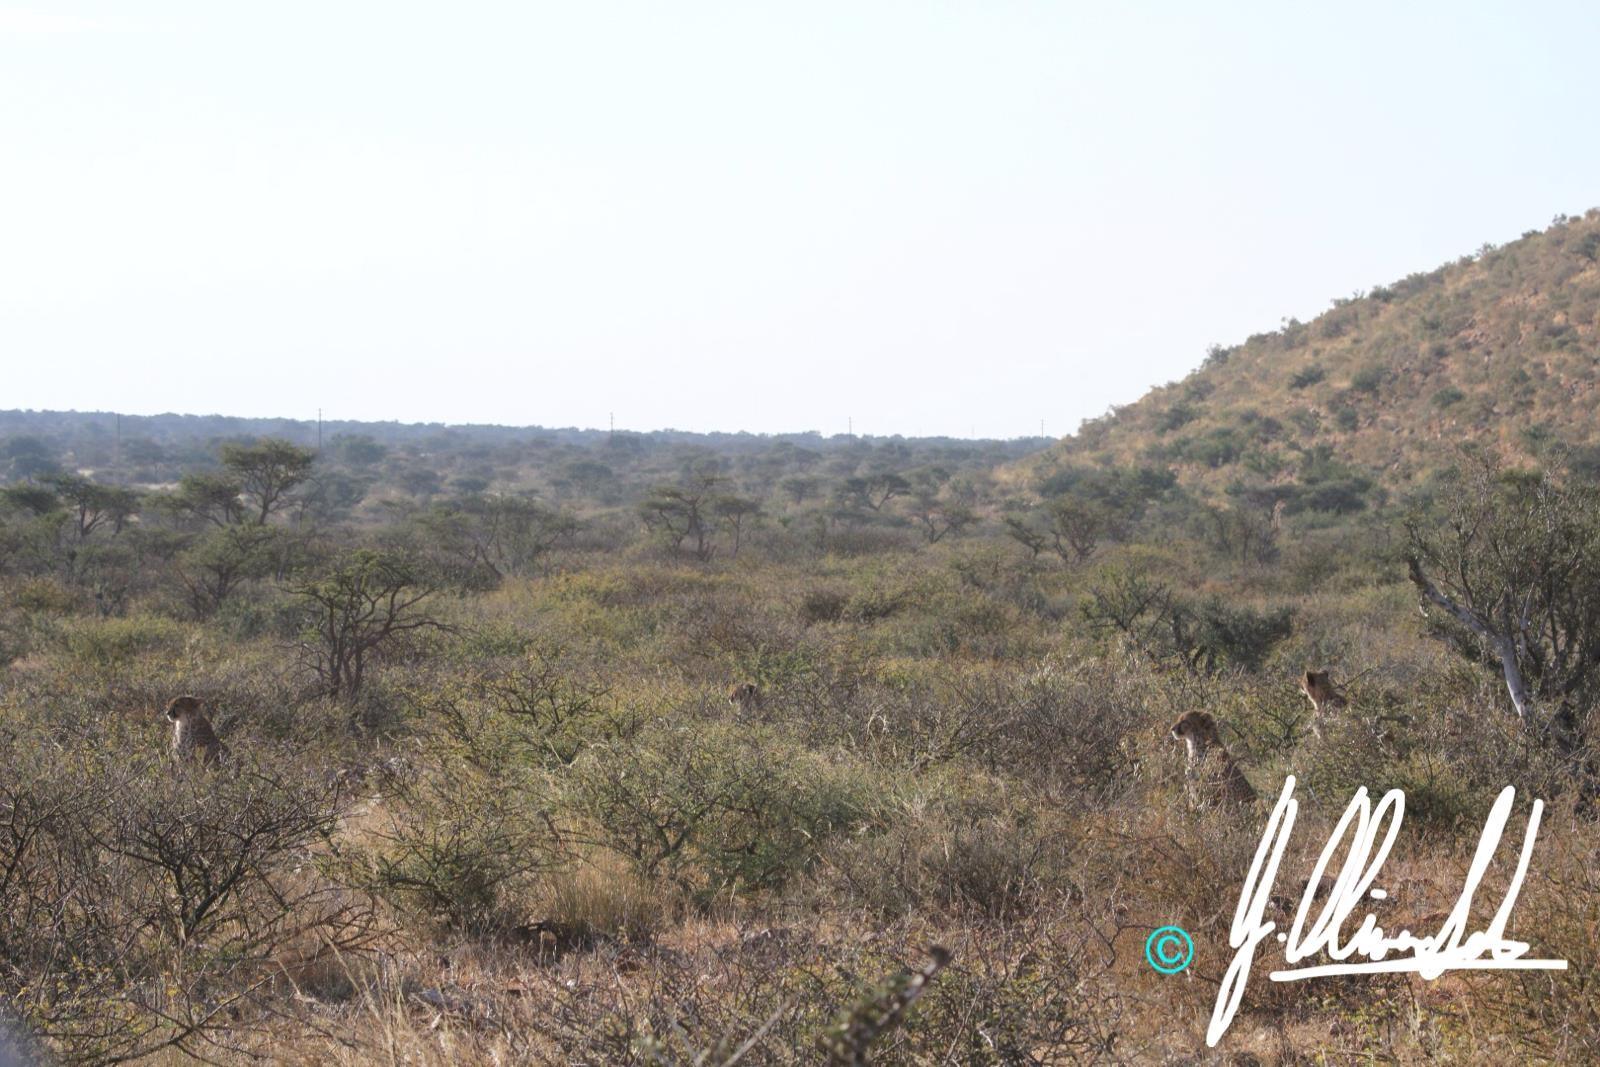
[{"x": 933, "y": 217}]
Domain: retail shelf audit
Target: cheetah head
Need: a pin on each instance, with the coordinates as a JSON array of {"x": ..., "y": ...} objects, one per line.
[
  {"x": 1198, "y": 725},
  {"x": 183, "y": 707}
]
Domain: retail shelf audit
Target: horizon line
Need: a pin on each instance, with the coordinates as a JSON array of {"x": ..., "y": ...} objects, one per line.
[{"x": 324, "y": 420}]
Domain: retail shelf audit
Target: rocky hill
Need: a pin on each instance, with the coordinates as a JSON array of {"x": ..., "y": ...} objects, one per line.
[{"x": 1500, "y": 348}]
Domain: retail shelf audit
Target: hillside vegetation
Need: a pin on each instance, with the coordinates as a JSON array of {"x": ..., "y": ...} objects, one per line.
[{"x": 1500, "y": 348}]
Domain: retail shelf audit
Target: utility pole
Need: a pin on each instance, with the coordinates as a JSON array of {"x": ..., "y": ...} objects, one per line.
[
  {"x": 613, "y": 436},
  {"x": 319, "y": 429},
  {"x": 850, "y": 425}
]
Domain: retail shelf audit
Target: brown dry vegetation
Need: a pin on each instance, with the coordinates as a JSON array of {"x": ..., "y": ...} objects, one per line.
[{"x": 561, "y": 846}]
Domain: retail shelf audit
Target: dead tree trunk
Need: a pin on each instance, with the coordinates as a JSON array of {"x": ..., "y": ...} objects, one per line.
[{"x": 1504, "y": 645}]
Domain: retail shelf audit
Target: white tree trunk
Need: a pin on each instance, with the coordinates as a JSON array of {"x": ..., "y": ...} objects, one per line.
[{"x": 1504, "y": 645}]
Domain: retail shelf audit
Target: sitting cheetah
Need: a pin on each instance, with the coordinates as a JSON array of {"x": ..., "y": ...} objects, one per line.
[
  {"x": 1213, "y": 775},
  {"x": 1325, "y": 697},
  {"x": 746, "y": 697},
  {"x": 192, "y": 735}
]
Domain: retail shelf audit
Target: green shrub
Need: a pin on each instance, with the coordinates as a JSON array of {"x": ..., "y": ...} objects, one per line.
[
  {"x": 138, "y": 900},
  {"x": 951, "y": 852},
  {"x": 875, "y": 603},
  {"x": 45, "y": 596},
  {"x": 115, "y": 642},
  {"x": 716, "y": 808},
  {"x": 1308, "y": 377},
  {"x": 458, "y": 846},
  {"x": 823, "y": 605},
  {"x": 1176, "y": 417},
  {"x": 1369, "y": 379}
]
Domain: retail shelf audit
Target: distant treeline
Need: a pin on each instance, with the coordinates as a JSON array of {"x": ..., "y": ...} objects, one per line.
[{"x": 78, "y": 429}]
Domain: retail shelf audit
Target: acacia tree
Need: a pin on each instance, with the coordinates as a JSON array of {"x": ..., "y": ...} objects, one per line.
[
  {"x": 495, "y": 535},
  {"x": 212, "y": 498},
  {"x": 252, "y": 486},
  {"x": 800, "y": 488},
  {"x": 1241, "y": 533},
  {"x": 266, "y": 472},
  {"x": 733, "y": 512},
  {"x": 939, "y": 516},
  {"x": 873, "y": 491},
  {"x": 329, "y": 495},
  {"x": 677, "y": 513},
  {"x": 36, "y": 500},
  {"x": 1027, "y": 534},
  {"x": 1513, "y": 564},
  {"x": 221, "y": 560},
  {"x": 61, "y": 514},
  {"x": 93, "y": 505},
  {"x": 1204, "y": 636},
  {"x": 1078, "y": 526},
  {"x": 1069, "y": 526},
  {"x": 362, "y": 603}
]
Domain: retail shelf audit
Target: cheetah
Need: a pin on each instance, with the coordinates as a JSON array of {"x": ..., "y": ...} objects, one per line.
[
  {"x": 1213, "y": 775},
  {"x": 1325, "y": 697},
  {"x": 192, "y": 735},
  {"x": 747, "y": 697}
]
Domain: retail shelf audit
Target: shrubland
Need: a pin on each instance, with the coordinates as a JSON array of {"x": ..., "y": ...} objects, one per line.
[{"x": 489, "y": 800}]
